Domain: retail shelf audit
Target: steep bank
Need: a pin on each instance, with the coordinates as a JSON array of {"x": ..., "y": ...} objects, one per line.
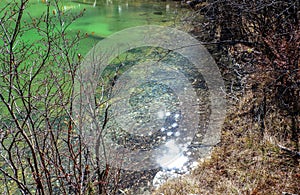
[{"x": 259, "y": 150}]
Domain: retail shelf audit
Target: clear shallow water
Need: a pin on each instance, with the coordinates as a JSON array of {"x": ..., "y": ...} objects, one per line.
[
  {"x": 103, "y": 18},
  {"x": 149, "y": 125}
]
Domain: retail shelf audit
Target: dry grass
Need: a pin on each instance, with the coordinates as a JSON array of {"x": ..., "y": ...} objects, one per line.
[
  {"x": 248, "y": 159},
  {"x": 244, "y": 162}
]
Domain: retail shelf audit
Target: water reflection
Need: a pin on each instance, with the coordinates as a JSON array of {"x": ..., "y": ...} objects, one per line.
[
  {"x": 105, "y": 17},
  {"x": 143, "y": 127},
  {"x": 154, "y": 111}
]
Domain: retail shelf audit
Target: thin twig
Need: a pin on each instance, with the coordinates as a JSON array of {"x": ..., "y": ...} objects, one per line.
[{"x": 289, "y": 150}]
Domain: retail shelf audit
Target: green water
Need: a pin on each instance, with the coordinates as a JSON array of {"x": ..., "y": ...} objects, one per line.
[
  {"x": 100, "y": 19},
  {"x": 105, "y": 17}
]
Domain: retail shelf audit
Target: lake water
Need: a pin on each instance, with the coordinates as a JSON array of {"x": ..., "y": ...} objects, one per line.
[
  {"x": 105, "y": 17},
  {"x": 165, "y": 87}
]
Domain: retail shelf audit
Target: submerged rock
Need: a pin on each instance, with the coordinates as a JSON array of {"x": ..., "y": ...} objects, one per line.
[{"x": 158, "y": 13}]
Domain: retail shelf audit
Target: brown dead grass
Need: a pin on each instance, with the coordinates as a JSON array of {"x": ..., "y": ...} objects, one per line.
[
  {"x": 247, "y": 160},
  {"x": 244, "y": 162}
]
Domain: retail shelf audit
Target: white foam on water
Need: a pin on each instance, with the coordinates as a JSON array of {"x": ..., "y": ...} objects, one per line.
[
  {"x": 174, "y": 125},
  {"x": 161, "y": 114},
  {"x": 174, "y": 163},
  {"x": 178, "y": 163}
]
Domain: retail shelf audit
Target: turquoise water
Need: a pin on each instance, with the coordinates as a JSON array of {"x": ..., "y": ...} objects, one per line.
[
  {"x": 155, "y": 108},
  {"x": 105, "y": 17}
]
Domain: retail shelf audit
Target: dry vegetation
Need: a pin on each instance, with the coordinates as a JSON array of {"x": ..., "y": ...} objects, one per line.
[
  {"x": 259, "y": 150},
  {"x": 243, "y": 163}
]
